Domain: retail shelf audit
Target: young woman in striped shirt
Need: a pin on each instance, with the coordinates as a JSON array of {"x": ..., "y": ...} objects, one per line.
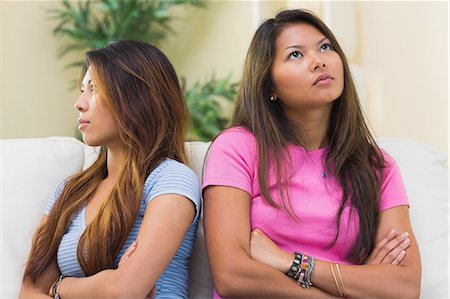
[{"x": 138, "y": 195}]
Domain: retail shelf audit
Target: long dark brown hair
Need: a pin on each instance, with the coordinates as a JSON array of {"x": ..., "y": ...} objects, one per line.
[
  {"x": 353, "y": 156},
  {"x": 138, "y": 84}
]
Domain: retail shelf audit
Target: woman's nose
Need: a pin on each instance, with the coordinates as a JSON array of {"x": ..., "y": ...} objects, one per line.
[
  {"x": 317, "y": 62},
  {"x": 319, "y": 65},
  {"x": 80, "y": 103}
]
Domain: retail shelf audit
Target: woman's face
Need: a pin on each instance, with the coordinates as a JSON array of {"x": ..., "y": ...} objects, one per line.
[
  {"x": 96, "y": 122},
  {"x": 306, "y": 72}
]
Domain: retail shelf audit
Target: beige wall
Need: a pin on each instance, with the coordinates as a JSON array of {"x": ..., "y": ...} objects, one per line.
[
  {"x": 36, "y": 97},
  {"x": 401, "y": 49}
]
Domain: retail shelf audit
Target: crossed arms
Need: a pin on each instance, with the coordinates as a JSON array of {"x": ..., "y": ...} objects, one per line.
[
  {"x": 166, "y": 221},
  {"x": 245, "y": 264}
]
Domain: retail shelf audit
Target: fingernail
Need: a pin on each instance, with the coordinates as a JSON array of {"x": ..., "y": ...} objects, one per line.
[
  {"x": 392, "y": 231},
  {"x": 406, "y": 242},
  {"x": 405, "y": 235},
  {"x": 402, "y": 252}
]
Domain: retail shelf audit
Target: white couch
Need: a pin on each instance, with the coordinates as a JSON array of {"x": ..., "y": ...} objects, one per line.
[{"x": 30, "y": 168}]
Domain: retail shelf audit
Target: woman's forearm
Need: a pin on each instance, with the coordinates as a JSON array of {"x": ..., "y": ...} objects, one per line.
[
  {"x": 248, "y": 278},
  {"x": 110, "y": 283},
  {"x": 100, "y": 285},
  {"x": 363, "y": 281},
  {"x": 374, "y": 281}
]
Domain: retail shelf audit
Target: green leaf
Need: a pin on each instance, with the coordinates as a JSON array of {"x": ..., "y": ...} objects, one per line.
[
  {"x": 205, "y": 102},
  {"x": 92, "y": 24}
]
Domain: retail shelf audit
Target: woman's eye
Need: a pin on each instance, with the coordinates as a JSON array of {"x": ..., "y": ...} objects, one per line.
[
  {"x": 295, "y": 55},
  {"x": 325, "y": 47}
]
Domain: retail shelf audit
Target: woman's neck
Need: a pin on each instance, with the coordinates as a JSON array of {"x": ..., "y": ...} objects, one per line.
[
  {"x": 313, "y": 127},
  {"x": 114, "y": 163}
]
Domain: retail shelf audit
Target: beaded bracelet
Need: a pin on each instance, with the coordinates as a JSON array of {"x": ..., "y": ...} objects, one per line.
[
  {"x": 55, "y": 287},
  {"x": 301, "y": 269},
  {"x": 295, "y": 265},
  {"x": 308, "y": 272}
]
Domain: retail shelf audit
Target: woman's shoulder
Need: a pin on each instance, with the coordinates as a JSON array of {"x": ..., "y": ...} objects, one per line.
[
  {"x": 57, "y": 191},
  {"x": 237, "y": 131},
  {"x": 171, "y": 168},
  {"x": 174, "y": 177},
  {"x": 389, "y": 161},
  {"x": 236, "y": 135},
  {"x": 233, "y": 148}
]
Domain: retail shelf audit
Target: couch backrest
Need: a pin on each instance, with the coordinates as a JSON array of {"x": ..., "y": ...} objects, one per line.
[{"x": 31, "y": 168}]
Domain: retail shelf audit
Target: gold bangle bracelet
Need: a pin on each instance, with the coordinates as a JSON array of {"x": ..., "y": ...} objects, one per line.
[
  {"x": 340, "y": 280},
  {"x": 335, "y": 279}
]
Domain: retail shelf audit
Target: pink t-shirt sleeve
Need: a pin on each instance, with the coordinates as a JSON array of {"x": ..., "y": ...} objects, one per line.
[
  {"x": 393, "y": 191},
  {"x": 230, "y": 160}
]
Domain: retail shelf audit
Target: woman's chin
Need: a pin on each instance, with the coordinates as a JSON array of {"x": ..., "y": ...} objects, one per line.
[{"x": 89, "y": 141}]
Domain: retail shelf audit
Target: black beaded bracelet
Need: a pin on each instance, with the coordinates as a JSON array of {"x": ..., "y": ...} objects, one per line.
[
  {"x": 295, "y": 265},
  {"x": 302, "y": 269}
]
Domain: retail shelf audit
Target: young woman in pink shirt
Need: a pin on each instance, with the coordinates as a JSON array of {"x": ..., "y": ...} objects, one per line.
[{"x": 299, "y": 199}]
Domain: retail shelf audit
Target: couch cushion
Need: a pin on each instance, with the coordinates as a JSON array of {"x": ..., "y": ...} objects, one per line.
[
  {"x": 425, "y": 173},
  {"x": 200, "y": 281},
  {"x": 30, "y": 170}
]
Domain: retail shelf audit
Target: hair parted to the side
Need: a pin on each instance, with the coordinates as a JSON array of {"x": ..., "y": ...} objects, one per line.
[
  {"x": 353, "y": 155},
  {"x": 139, "y": 85}
]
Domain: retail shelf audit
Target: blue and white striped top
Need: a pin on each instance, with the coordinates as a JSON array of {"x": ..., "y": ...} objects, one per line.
[{"x": 168, "y": 177}]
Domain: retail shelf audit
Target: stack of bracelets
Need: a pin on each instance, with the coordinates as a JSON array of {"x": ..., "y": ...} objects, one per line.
[
  {"x": 336, "y": 271},
  {"x": 301, "y": 269}
]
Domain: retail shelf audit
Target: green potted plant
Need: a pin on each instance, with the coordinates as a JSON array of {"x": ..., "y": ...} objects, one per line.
[
  {"x": 91, "y": 25},
  {"x": 209, "y": 104}
]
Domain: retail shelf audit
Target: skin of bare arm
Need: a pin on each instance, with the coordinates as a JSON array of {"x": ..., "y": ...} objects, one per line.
[
  {"x": 227, "y": 235},
  {"x": 397, "y": 275}
]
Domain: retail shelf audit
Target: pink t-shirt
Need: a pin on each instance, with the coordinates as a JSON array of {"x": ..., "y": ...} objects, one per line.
[{"x": 233, "y": 161}]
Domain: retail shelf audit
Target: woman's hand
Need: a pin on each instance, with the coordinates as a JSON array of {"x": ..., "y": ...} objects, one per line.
[
  {"x": 264, "y": 250},
  {"x": 390, "y": 250},
  {"x": 128, "y": 253}
]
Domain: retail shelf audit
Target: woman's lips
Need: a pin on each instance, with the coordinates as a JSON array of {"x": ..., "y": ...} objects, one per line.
[
  {"x": 82, "y": 124},
  {"x": 323, "y": 79}
]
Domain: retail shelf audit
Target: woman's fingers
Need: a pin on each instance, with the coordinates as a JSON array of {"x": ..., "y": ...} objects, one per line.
[
  {"x": 152, "y": 294},
  {"x": 399, "y": 257},
  {"x": 396, "y": 255},
  {"x": 391, "y": 249},
  {"x": 130, "y": 250},
  {"x": 375, "y": 257}
]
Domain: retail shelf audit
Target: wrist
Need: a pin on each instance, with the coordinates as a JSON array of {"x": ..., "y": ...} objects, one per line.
[
  {"x": 286, "y": 262},
  {"x": 55, "y": 288},
  {"x": 301, "y": 269}
]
